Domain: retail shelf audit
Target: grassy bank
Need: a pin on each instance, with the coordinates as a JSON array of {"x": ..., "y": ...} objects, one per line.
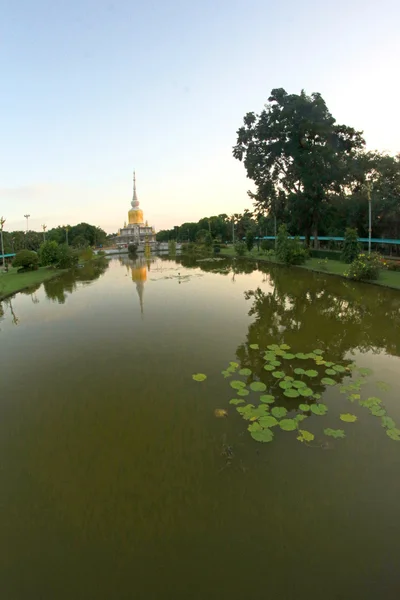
[
  {"x": 389, "y": 279},
  {"x": 13, "y": 282}
]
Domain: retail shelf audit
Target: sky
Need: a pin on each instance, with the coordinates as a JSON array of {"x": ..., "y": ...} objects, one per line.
[{"x": 92, "y": 89}]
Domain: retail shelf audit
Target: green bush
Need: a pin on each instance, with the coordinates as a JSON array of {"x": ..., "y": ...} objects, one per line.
[
  {"x": 132, "y": 250},
  {"x": 329, "y": 254},
  {"x": 48, "y": 253},
  {"x": 365, "y": 266},
  {"x": 392, "y": 265},
  {"x": 351, "y": 248},
  {"x": 67, "y": 258},
  {"x": 172, "y": 247},
  {"x": 216, "y": 247},
  {"x": 240, "y": 248},
  {"x": 26, "y": 260},
  {"x": 249, "y": 240},
  {"x": 267, "y": 245},
  {"x": 289, "y": 251},
  {"x": 86, "y": 254}
]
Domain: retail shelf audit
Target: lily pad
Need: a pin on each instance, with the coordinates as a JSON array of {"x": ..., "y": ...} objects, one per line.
[
  {"x": 311, "y": 373},
  {"x": 220, "y": 412},
  {"x": 273, "y": 347},
  {"x": 299, "y": 371},
  {"x": 288, "y": 356},
  {"x": 304, "y": 407},
  {"x": 371, "y": 401},
  {"x": 289, "y": 378},
  {"x": 305, "y": 436},
  {"x": 243, "y": 392},
  {"x": 394, "y": 434},
  {"x": 236, "y": 384},
  {"x": 234, "y": 365},
  {"x": 299, "y": 384},
  {"x": 353, "y": 397},
  {"x": 226, "y": 373},
  {"x": 278, "y": 374},
  {"x": 377, "y": 411},
  {"x": 388, "y": 422},
  {"x": 254, "y": 427},
  {"x": 265, "y": 435},
  {"x": 383, "y": 386},
  {"x": 245, "y": 372},
  {"x": 318, "y": 351},
  {"x": 319, "y": 409},
  {"x": 300, "y": 417},
  {"x": 329, "y": 364},
  {"x": 328, "y": 381},
  {"x": 258, "y": 386},
  {"x": 199, "y": 377},
  {"x": 254, "y": 346},
  {"x": 236, "y": 401},
  {"x": 267, "y": 399},
  {"x": 268, "y": 421},
  {"x": 284, "y": 347},
  {"x": 245, "y": 409},
  {"x": 278, "y": 411},
  {"x": 291, "y": 393},
  {"x": 306, "y": 392},
  {"x": 348, "y": 418},
  {"x": 330, "y": 371},
  {"x": 288, "y": 424},
  {"x": 364, "y": 371},
  {"x": 335, "y": 433},
  {"x": 269, "y": 367},
  {"x": 275, "y": 363},
  {"x": 285, "y": 385},
  {"x": 339, "y": 368},
  {"x": 317, "y": 396},
  {"x": 301, "y": 356}
]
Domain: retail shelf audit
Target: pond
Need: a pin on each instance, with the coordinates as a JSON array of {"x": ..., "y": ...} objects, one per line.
[{"x": 123, "y": 477}]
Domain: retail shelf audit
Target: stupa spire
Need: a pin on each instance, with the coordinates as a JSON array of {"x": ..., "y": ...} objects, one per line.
[{"x": 135, "y": 201}]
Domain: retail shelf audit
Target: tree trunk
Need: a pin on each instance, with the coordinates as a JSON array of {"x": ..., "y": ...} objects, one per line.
[{"x": 315, "y": 234}]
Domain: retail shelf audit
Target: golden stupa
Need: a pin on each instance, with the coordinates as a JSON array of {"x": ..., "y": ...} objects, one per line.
[
  {"x": 135, "y": 215},
  {"x": 136, "y": 231}
]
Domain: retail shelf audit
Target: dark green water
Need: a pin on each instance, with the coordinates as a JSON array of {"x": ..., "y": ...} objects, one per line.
[{"x": 113, "y": 483}]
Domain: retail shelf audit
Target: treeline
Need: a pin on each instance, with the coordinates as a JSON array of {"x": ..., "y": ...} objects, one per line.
[
  {"x": 78, "y": 236},
  {"x": 310, "y": 173}
]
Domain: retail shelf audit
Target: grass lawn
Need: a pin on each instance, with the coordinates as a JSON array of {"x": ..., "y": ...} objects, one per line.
[
  {"x": 332, "y": 267},
  {"x": 13, "y": 282}
]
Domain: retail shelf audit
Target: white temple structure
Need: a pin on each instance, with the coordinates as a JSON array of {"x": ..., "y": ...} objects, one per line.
[{"x": 136, "y": 231}]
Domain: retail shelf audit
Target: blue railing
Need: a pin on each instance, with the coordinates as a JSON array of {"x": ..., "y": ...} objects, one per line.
[{"x": 337, "y": 239}]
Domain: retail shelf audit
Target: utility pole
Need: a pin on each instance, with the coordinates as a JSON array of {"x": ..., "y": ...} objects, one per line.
[
  {"x": 2, "y": 221},
  {"x": 44, "y": 227},
  {"x": 369, "y": 216},
  {"x": 27, "y": 228},
  {"x": 66, "y": 233},
  {"x": 233, "y": 230}
]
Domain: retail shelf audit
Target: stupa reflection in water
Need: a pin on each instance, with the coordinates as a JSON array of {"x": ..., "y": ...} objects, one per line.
[{"x": 138, "y": 269}]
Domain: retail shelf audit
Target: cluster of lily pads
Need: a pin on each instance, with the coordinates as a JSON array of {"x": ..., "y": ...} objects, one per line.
[{"x": 285, "y": 379}]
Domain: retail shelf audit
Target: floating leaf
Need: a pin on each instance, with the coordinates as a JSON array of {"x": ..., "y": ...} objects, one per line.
[
  {"x": 285, "y": 385},
  {"x": 267, "y": 398},
  {"x": 288, "y": 424},
  {"x": 245, "y": 409},
  {"x": 299, "y": 371},
  {"x": 268, "y": 421},
  {"x": 199, "y": 377},
  {"x": 328, "y": 381},
  {"x": 301, "y": 356},
  {"x": 319, "y": 409},
  {"x": 305, "y": 436},
  {"x": 236, "y": 384},
  {"x": 364, "y": 371},
  {"x": 306, "y": 392},
  {"x": 278, "y": 411},
  {"x": 335, "y": 433},
  {"x": 383, "y": 385},
  {"x": 255, "y": 413},
  {"x": 284, "y": 347},
  {"x": 388, "y": 423},
  {"x": 353, "y": 397},
  {"x": 329, "y": 364},
  {"x": 330, "y": 372},
  {"x": 291, "y": 393},
  {"x": 311, "y": 373},
  {"x": 258, "y": 386},
  {"x": 312, "y": 356},
  {"x": 317, "y": 396},
  {"x": 377, "y": 411},
  {"x": 278, "y": 374},
  {"x": 220, "y": 412},
  {"x": 245, "y": 372},
  {"x": 288, "y": 356},
  {"x": 304, "y": 407},
  {"x": 243, "y": 392},
  {"x": 299, "y": 384},
  {"x": 273, "y": 347},
  {"x": 254, "y": 427},
  {"x": 265, "y": 435},
  {"x": 236, "y": 401},
  {"x": 234, "y": 365},
  {"x": 339, "y": 368},
  {"x": 318, "y": 351},
  {"x": 348, "y": 418},
  {"x": 289, "y": 378},
  {"x": 275, "y": 363},
  {"x": 254, "y": 346},
  {"x": 300, "y": 417},
  {"x": 269, "y": 367},
  {"x": 226, "y": 373},
  {"x": 370, "y": 402},
  {"x": 394, "y": 434}
]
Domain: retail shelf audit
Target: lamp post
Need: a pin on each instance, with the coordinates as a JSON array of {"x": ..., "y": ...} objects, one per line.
[
  {"x": 369, "y": 216},
  {"x": 2, "y": 221},
  {"x": 44, "y": 227},
  {"x": 27, "y": 226},
  {"x": 66, "y": 233}
]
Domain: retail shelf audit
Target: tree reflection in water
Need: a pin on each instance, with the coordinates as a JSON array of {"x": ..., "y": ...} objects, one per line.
[{"x": 57, "y": 289}]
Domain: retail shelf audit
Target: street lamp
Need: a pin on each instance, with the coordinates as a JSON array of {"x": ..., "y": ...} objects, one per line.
[
  {"x": 27, "y": 224},
  {"x": 44, "y": 227},
  {"x": 66, "y": 233},
  {"x": 369, "y": 216},
  {"x": 2, "y": 221}
]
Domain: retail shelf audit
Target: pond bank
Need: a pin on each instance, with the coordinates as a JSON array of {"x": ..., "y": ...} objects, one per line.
[{"x": 389, "y": 279}]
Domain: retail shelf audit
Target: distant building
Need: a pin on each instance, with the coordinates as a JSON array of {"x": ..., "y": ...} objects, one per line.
[{"x": 137, "y": 231}]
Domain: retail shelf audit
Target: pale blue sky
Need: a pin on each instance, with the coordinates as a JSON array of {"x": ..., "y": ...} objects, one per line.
[{"x": 92, "y": 88}]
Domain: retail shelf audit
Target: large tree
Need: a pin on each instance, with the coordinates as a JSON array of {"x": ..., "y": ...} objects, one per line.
[{"x": 295, "y": 150}]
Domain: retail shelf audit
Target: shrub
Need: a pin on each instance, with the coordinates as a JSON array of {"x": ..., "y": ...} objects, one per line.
[
  {"x": 67, "y": 258},
  {"x": 132, "y": 250},
  {"x": 267, "y": 245},
  {"x": 86, "y": 254},
  {"x": 289, "y": 251},
  {"x": 216, "y": 247},
  {"x": 391, "y": 265},
  {"x": 26, "y": 260},
  {"x": 101, "y": 253},
  {"x": 172, "y": 247},
  {"x": 240, "y": 248},
  {"x": 351, "y": 248},
  {"x": 365, "y": 266},
  {"x": 48, "y": 253},
  {"x": 249, "y": 240},
  {"x": 329, "y": 254}
]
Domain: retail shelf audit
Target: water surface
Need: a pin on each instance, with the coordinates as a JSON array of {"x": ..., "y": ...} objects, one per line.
[{"x": 113, "y": 479}]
